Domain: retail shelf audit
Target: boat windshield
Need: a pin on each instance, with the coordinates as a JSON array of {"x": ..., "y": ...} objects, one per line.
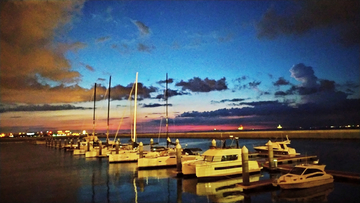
[
  {"x": 297, "y": 171},
  {"x": 208, "y": 158}
]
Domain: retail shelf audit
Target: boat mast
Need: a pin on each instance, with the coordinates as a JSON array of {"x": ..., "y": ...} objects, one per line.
[
  {"x": 108, "y": 114},
  {"x": 135, "y": 101},
  {"x": 93, "y": 133},
  {"x": 166, "y": 99}
]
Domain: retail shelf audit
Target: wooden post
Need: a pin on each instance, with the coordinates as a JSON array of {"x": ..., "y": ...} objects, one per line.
[
  {"x": 88, "y": 145},
  {"x": 65, "y": 143},
  {"x": 78, "y": 143},
  {"x": 141, "y": 150},
  {"x": 178, "y": 157},
  {"x": 151, "y": 143},
  {"x": 117, "y": 145},
  {"x": 100, "y": 148},
  {"x": 271, "y": 155},
  {"x": 245, "y": 165},
  {"x": 213, "y": 144}
]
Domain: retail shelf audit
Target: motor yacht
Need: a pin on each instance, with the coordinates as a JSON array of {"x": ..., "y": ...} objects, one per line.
[
  {"x": 279, "y": 148},
  {"x": 304, "y": 176},
  {"x": 217, "y": 162}
]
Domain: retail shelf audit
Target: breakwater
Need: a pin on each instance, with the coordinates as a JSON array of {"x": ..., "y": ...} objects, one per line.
[
  {"x": 276, "y": 134},
  {"x": 292, "y": 134}
]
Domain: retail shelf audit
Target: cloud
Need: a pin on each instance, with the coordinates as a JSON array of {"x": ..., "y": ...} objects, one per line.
[
  {"x": 102, "y": 39},
  {"x": 170, "y": 80},
  {"x": 44, "y": 107},
  {"x": 271, "y": 113},
  {"x": 143, "y": 29},
  {"x": 144, "y": 48},
  {"x": 29, "y": 55},
  {"x": 154, "y": 105},
  {"x": 311, "y": 89},
  {"x": 228, "y": 100},
  {"x": 309, "y": 15},
  {"x": 281, "y": 81},
  {"x": 207, "y": 85},
  {"x": 304, "y": 74},
  {"x": 171, "y": 93}
]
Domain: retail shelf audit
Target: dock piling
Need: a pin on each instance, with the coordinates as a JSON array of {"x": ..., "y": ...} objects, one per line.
[
  {"x": 271, "y": 155},
  {"x": 141, "y": 150},
  {"x": 178, "y": 156},
  {"x": 100, "y": 148},
  {"x": 117, "y": 145},
  {"x": 245, "y": 165}
]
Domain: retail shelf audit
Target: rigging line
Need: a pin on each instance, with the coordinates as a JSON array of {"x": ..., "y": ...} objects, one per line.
[{"x": 122, "y": 118}]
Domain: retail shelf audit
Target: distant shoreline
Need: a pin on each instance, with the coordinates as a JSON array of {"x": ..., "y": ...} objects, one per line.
[{"x": 277, "y": 134}]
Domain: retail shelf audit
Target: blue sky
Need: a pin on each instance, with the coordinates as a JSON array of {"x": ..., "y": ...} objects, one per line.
[{"x": 230, "y": 63}]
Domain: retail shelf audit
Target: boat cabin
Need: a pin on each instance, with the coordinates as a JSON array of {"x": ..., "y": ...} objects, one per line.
[{"x": 218, "y": 155}]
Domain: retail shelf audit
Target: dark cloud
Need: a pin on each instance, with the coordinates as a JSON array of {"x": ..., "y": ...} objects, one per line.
[
  {"x": 120, "y": 92},
  {"x": 281, "y": 81},
  {"x": 154, "y": 105},
  {"x": 102, "y": 39},
  {"x": 272, "y": 113},
  {"x": 207, "y": 85},
  {"x": 171, "y": 93},
  {"x": 44, "y": 107},
  {"x": 308, "y": 15},
  {"x": 304, "y": 74},
  {"x": 311, "y": 88},
  {"x": 228, "y": 100},
  {"x": 170, "y": 80},
  {"x": 143, "y": 29},
  {"x": 144, "y": 48}
]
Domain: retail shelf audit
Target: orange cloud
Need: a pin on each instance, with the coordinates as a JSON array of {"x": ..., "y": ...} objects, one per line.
[{"x": 29, "y": 54}]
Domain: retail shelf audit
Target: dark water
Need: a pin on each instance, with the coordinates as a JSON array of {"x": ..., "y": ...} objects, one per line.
[{"x": 35, "y": 173}]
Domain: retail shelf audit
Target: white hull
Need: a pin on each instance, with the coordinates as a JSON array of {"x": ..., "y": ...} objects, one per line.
[
  {"x": 79, "y": 152},
  {"x": 161, "y": 161},
  {"x": 219, "y": 169},
  {"x": 218, "y": 163},
  {"x": 96, "y": 153},
  {"x": 125, "y": 156},
  {"x": 307, "y": 184}
]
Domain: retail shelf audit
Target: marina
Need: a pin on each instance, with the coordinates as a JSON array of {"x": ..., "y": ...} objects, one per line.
[{"x": 98, "y": 181}]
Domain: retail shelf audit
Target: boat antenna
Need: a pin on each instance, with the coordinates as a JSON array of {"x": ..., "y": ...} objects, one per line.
[
  {"x": 93, "y": 133},
  {"x": 108, "y": 115}
]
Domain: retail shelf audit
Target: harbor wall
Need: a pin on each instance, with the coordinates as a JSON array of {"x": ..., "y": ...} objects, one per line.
[{"x": 292, "y": 134}]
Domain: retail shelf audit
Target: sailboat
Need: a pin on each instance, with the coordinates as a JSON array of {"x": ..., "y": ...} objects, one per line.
[
  {"x": 92, "y": 151},
  {"x": 85, "y": 144},
  {"x": 131, "y": 153},
  {"x": 161, "y": 156}
]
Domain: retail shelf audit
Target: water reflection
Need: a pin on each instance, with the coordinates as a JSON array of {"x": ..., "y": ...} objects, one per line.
[
  {"x": 218, "y": 191},
  {"x": 314, "y": 194}
]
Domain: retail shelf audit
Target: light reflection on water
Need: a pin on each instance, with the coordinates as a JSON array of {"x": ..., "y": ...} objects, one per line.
[{"x": 31, "y": 173}]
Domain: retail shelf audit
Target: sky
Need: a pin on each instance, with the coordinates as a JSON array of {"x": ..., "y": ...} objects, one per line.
[{"x": 256, "y": 64}]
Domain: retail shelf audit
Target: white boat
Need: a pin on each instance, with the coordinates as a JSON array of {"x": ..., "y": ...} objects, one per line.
[
  {"x": 279, "y": 148},
  {"x": 218, "y": 163},
  {"x": 164, "y": 157},
  {"x": 304, "y": 176},
  {"x": 129, "y": 153}
]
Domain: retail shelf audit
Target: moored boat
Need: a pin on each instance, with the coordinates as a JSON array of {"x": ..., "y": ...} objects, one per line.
[
  {"x": 304, "y": 176},
  {"x": 279, "y": 148},
  {"x": 218, "y": 163}
]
